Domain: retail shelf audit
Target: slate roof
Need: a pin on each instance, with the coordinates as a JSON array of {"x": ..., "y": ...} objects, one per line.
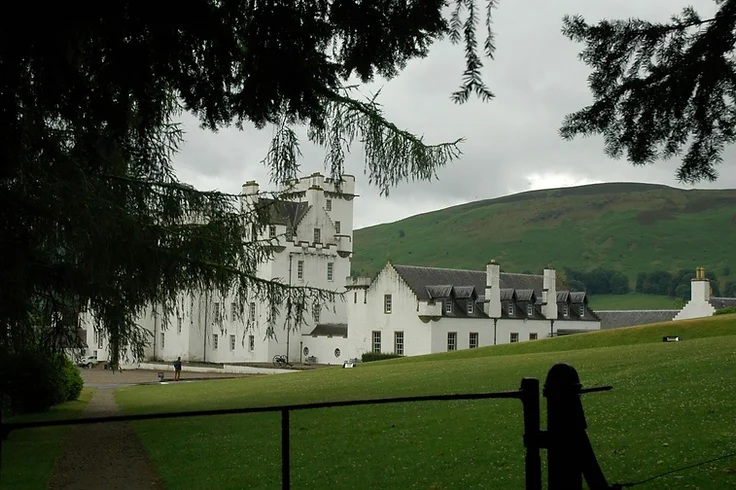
[
  {"x": 418, "y": 278},
  {"x": 719, "y": 303},
  {"x": 334, "y": 329},
  {"x": 630, "y": 318},
  {"x": 287, "y": 213}
]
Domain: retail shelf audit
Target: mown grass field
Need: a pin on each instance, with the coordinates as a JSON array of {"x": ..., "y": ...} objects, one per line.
[
  {"x": 672, "y": 405},
  {"x": 626, "y": 226},
  {"x": 631, "y": 301},
  {"x": 29, "y": 455}
]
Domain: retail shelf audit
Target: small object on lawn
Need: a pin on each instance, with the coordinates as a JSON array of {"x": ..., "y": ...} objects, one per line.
[
  {"x": 670, "y": 338},
  {"x": 160, "y": 375},
  {"x": 348, "y": 364}
]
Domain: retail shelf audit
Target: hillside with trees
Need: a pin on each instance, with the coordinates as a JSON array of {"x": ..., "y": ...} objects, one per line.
[{"x": 604, "y": 238}]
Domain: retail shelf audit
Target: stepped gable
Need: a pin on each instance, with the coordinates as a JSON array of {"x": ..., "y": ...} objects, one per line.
[{"x": 631, "y": 318}]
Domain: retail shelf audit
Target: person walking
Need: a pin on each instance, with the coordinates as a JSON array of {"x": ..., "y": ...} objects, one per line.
[{"x": 177, "y": 369}]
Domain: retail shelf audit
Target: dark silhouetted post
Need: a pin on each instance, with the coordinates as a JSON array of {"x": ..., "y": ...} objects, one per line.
[
  {"x": 570, "y": 455},
  {"x": 564, "y": 417},
  {"x": 533, "y": 460}
]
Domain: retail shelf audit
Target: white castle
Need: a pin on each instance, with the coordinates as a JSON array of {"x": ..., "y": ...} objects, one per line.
[{"x": 405, "y": 310}]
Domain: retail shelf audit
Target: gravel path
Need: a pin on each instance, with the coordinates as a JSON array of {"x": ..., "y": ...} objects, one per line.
[{"x": 107, "y": 456}]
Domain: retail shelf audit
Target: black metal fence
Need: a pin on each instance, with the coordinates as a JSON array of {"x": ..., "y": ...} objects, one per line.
[{"x": 570, "y": 456}]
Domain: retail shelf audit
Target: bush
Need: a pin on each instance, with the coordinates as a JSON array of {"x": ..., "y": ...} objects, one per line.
[
  {"x": 378, "y": 356},
  {"x": 726, "y": 311},
  {"x": 34, "y": 381}
]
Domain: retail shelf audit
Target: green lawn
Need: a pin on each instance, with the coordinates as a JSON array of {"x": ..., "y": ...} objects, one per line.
[
  {"x": 29, "y": 454},
  {"x": 631, "y": 301},
  {"x": 670, "y": 407}
]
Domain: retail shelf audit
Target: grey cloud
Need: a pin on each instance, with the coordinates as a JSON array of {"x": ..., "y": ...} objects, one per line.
[{"x": 512, "y": 142}]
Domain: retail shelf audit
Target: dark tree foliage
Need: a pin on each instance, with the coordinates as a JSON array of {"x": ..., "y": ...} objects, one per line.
[
  {"x": 674, "y": 285},
  {"x": 598, "y": 281},
  {"x": 90, "y": 92},
  {"x": 660, "y": 89}
]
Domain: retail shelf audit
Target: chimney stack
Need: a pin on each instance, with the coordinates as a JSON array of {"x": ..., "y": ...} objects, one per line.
[
  {"x": 700, "y": 287},
  {"x": 492, "y": 304},
  {"x": 549, "y": 293}
]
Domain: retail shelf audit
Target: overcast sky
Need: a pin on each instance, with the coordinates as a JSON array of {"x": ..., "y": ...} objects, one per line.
[{"x": 512, "y": 143}]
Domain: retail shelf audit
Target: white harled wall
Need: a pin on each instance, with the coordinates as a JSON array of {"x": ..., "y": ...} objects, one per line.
[{"x": 195, "y": 341}]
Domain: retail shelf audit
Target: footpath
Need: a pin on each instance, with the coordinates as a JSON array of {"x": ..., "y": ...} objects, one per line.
[{"x": 108, "y": 456}]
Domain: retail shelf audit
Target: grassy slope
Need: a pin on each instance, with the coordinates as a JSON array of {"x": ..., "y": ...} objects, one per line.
[
  {"x": 627, "y": 227},
  {"x": 29, "y": 454},
  {"x": 666, "y": 410}
]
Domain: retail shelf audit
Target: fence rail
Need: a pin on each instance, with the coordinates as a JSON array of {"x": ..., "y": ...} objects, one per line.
[{"x": 570, "y": 454}]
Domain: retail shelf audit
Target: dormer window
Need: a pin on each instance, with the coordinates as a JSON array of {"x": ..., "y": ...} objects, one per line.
[
  {"x": 448, "y": 306},
  {"x": 529, "y": 309},
  {"x": 471, "y": 306},
  {"x": 511, "y": 308},
  {"x": 582, "y": 311},
  {"x": 317, "y": 235}
]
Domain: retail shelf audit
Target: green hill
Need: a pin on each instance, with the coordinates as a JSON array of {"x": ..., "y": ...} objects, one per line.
[{"x": 627, "y": 227}]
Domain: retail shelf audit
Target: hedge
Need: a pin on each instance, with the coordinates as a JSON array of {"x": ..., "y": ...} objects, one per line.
[
  {"x": 378, "y": 356},
  {"x": 34, "y": 381}
]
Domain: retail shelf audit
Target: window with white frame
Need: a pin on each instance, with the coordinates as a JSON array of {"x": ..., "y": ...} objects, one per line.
[
  {"x": 232, "y": 342},
  {"x": 300, "y": 269},
  {"x": 215, "y": 341},
  {"x": 163, "y": 340},
  {"x": 252, "y": 312},
  {"x": 217, "y": 311},
  {"x": 565, "y": 311},
  {"x": 233, "y": 311},
  {"x": 473, "y": 340},
  {"x": 251, "y": 343},
  {"x": 317, "y": 235},
  {"x": 387, "y": 304},
  {"x": 582, "y": 311},
  {"x": 330, "y": 271},
  {"x": 514, "y": 337},
  {"x": 529, "y": 309},
  {"x": 511, "y": 308},
  {"x": 448, "y": 306},
  {"x": 178, "y": 324},
  {"x": 470, "y": 306},
  {"x": 376, "y": 341},
  {"x": 271, "y": 231},
  {"x": 533, "y": 336},
  {"x": 98, "y": 337},
  {"x": 451, "y": 341},
  {"x": 399, "y": 343},
  {"x": 337, "y": 227},
  {"x": 328, "y": 204}
]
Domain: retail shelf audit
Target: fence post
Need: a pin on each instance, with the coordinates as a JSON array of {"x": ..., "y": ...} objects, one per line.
[
  {"x": 533, "y": 459},
  {"x": 285, "y": 457},
  {"x": 570, "y": 455},
  {"x": 565, "y": 418}
]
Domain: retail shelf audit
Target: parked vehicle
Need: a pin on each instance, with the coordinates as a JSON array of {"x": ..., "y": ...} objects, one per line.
[{"x": 87, "y": 361}]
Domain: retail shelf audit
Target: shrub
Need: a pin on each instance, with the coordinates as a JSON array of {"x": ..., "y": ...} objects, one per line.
[
  {"x": 726, "y": 311},
  {"x": 34, "y": 381},
  {"x": 378, "y": 356}
]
